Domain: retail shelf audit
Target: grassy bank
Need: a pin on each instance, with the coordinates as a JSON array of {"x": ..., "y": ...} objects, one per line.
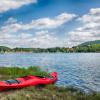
[
  {"x": 13, "y": 72},
  {"x": 50, "y": 92}
]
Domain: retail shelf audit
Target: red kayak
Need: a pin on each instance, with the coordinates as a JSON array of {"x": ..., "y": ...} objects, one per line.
[{"x": 28, "y": 81}]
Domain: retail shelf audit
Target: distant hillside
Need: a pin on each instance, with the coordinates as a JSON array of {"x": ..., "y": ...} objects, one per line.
[
  {"x": 4, "y": 48},
  {"x": 90, "y": 43},
  {"x": 91, "y": 46}
]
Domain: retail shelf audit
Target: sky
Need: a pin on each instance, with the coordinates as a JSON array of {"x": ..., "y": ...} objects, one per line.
[{"x": 48, "y": 23}]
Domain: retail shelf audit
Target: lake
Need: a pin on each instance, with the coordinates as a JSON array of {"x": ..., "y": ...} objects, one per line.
[{"x": 81, "y": 70}]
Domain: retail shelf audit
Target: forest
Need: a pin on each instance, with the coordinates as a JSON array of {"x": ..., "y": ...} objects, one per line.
[{"x": 91, "y": 46}]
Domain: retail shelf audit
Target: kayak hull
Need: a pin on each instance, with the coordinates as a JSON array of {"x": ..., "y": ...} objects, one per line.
[{"x": 28, "y": 81}]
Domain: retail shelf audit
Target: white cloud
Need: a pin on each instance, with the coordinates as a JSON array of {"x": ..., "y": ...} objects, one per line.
[
  {"x": 55, "y": 22},
  {"x": 43, "y": 23},
  {"x": 45, "y": 39},
  {"x": 6, "y": 5},
  {"x": 42, "y": 39},
  {"x": 12, "y": 32},
  {"x": 13, "y": 40},
  {"x": 90, "y": 30}
]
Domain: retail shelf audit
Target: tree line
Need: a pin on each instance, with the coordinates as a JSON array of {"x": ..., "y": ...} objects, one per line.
[{"x": 85, "y": 48}]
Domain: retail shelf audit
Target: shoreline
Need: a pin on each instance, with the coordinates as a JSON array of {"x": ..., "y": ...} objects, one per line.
[
  {"x": 45, "y": 52},
  {"x": 49, "y": 92}
]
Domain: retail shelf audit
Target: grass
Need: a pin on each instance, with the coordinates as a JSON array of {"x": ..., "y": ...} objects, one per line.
[
  {"x": 49, "y": 92},
  {"x": 13, "y": 72}
]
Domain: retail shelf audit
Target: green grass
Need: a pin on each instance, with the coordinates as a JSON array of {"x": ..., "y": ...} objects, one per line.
[
  {"x": 13, "y": 72},
  {"x": 49, "y": 92}
]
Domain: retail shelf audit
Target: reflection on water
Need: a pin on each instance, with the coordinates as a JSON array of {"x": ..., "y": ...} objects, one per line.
[{"x": 80, "y": 70}]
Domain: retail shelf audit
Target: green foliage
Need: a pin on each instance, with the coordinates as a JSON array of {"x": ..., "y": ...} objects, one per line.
[
  {"x": 4, "y": 49},
  {"x": 19, "y": 72},
  {"x": 91, "y": 46},
  {"x": 88, "y": 48}
]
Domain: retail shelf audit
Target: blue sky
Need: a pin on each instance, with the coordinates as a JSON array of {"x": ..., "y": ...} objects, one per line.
[{"x": 48, "y": 23}]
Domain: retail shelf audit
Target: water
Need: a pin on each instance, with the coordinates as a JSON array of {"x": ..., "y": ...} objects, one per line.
[{"x": 81, "y": 70}]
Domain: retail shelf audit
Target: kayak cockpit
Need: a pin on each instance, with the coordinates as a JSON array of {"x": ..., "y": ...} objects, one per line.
[{"x": 11, "y": 81}]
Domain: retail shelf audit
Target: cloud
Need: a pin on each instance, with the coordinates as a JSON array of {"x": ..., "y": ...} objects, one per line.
[
  {"x": 90, "y": 29},
  {"x": 42, "y": 39},
  {"x": 6, "y": 5},
  {"x": 45, "y": 39},
  {"x": 13, "y": 33},
  {"x": 43, "y": 23},
  {"x": 51, "y": 23}
]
